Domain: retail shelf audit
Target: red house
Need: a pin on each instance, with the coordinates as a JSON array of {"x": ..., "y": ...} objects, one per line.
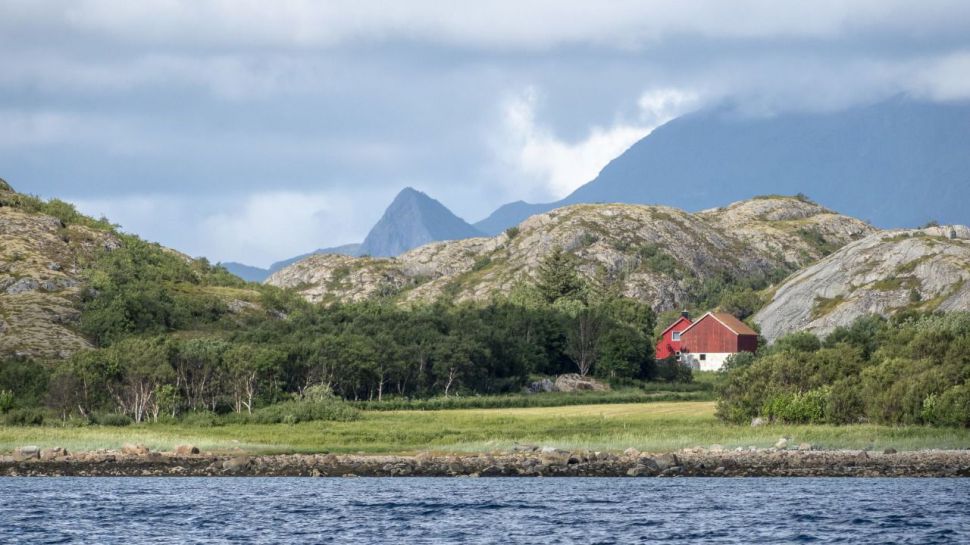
[
  {"x": 670, "y": 339},
  {"x": 708, "y": 341}
]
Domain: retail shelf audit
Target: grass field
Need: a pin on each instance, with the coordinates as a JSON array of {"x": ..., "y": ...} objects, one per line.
[{"x": 646, "y": 426}]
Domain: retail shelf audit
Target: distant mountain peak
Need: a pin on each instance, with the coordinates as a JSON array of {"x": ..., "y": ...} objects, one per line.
[
  {"x": 414, "y": 219},
  {"x": 872, "y": 161}
]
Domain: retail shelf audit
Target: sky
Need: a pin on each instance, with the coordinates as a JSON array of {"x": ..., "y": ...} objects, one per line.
[{"x": 254, "y": 131}]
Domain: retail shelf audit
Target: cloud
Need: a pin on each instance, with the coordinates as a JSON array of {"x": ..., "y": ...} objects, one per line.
[
  {"x": 944, "y": 78},
  {"x": 258, "y": 228},
  {"x": 553, "y": 167},
  {"x": 21, "y": 129},
  {"x": 498, "y": 24}
]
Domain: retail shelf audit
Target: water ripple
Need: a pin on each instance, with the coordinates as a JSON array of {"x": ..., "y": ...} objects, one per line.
[{"x": 439, "y": 510}]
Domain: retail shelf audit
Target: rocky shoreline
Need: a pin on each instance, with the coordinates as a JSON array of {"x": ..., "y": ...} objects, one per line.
[{"x": 526, "y": 461}]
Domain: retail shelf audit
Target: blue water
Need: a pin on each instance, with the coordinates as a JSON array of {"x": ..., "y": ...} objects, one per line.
[{"x": 305, "y": 510}]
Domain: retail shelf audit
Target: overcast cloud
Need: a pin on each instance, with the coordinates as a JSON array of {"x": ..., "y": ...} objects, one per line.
[{"x": 254, "y": 131}]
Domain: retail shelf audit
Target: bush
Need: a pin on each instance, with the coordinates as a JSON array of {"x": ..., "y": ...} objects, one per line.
[
  {"x": 6, "y": 401},
  {"x": 292, "y": 412},
  {"x": 951, "y": 408},
  {"x": 798, "y": 408},
  {"x": 201, "y": 419},
  {"x": 111, "y": 419},
  {"x": 845, "y": 404},
  {"x": 24, "y": 417},
  {"x": 671, "y": 370}
]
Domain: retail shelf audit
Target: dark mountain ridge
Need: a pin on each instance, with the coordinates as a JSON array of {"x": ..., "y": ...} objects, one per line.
[{"x": 896, "y": 163}]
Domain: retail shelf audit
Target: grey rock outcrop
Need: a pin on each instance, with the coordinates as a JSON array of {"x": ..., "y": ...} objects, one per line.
[
  {"x": 919, "y": 269},
  {"x": 656, "y": 254}
]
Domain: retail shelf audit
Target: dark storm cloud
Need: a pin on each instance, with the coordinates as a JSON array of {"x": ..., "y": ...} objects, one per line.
[{"x": 178, "y": 117}]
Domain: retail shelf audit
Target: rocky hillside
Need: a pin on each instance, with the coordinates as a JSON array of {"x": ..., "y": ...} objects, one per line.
[
  {"x": 41, "y": 259},
  {"x": 654, "y": 253},
  {"x": 49, "y": 255},
  {"x": 916, "y": 269}
]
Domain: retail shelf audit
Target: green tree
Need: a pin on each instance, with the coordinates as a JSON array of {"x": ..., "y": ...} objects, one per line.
[{"x": 558, "y": 278}]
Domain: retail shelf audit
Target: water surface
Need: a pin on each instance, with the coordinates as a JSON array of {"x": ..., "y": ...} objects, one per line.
[{"x": 450, "y": 510}]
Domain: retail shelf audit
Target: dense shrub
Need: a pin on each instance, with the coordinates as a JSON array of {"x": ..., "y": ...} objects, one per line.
[
  {"x": 201, "y": 419},
  {"x": 110, "y": 419},
  {"x": 671, "y": 370},
  {"x": 798, "y": 408},
  {"x": 913, "y": 369},
  {"x": 6, "y": 401},
  {"x": 24, "y": 417},
  {"x": 292, "y": 412}
]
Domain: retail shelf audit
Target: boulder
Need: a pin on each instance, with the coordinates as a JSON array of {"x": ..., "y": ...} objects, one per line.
[
  {"x": 23, "y": 285},
  {"x": 665, "y": 461},
  {"x": 782, "y": 443},
  {"x": 186, "y": 450},
  {"x": 641, "y": 470},
  {"x": 131, "y": 449},
  {"x": 540, "y": 386},
  {"x": 757, "y": 421},
  {"x": 236, "y": 464},
  {"x": 572, "y": 382},
  {"x": 21, "y": 454},
  {"x": 889, "y": 451},
  {"x": 649, "y": 463},
  {"x": 805, "y": 446},
  {"x": 631, "y": 452},
  {"x": 52, "y": 453}
]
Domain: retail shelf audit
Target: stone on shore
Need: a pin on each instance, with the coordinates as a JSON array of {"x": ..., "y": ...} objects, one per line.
[
  {"x": 782, "y": 443},
  {"x": 52, "y": 453},
  {"x": 186, "y": 450},
  {"x": 236, "y": 464},
  {"x": 26, "y": 453},
  {"x": 132, "y": 449}
]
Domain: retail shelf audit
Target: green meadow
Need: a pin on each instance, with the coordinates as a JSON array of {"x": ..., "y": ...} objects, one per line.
[{"x": 657, "y": 426}]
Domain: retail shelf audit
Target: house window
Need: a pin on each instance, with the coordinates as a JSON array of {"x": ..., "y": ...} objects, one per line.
[
  {"x": 703, "y": 357},
  {"x": 675, "y": 336}
]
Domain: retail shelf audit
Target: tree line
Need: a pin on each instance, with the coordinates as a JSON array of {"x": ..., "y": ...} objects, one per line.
[{"x": 167, "y": 343}]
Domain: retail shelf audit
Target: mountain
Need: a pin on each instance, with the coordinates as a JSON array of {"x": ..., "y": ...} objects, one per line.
[
  {"x": 246, "y": 272},
  {"x": 411, "y": 220},
  {"x": 884, "y": 273},
  {"x": 257, "y": 274},
  {"x": 897, "y": 163},
  {"x": 662, "y": 255}
]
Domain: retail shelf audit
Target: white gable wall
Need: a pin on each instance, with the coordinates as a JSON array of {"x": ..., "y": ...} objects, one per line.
[{"x": 711, "y": 361}]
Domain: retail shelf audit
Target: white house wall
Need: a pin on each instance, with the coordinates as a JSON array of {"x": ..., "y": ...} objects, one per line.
[{"x": 711, "y": 361}]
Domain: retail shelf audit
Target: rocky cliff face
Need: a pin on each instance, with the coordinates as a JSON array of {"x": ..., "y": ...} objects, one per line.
[
  {"x": 920, "y": 269},
  {"x": 654, "y": 253},
  {"x": 40, "y": 264}
]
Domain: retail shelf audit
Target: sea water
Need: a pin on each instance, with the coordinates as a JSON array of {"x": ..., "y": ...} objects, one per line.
[{"x": 463, "y": 510}]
